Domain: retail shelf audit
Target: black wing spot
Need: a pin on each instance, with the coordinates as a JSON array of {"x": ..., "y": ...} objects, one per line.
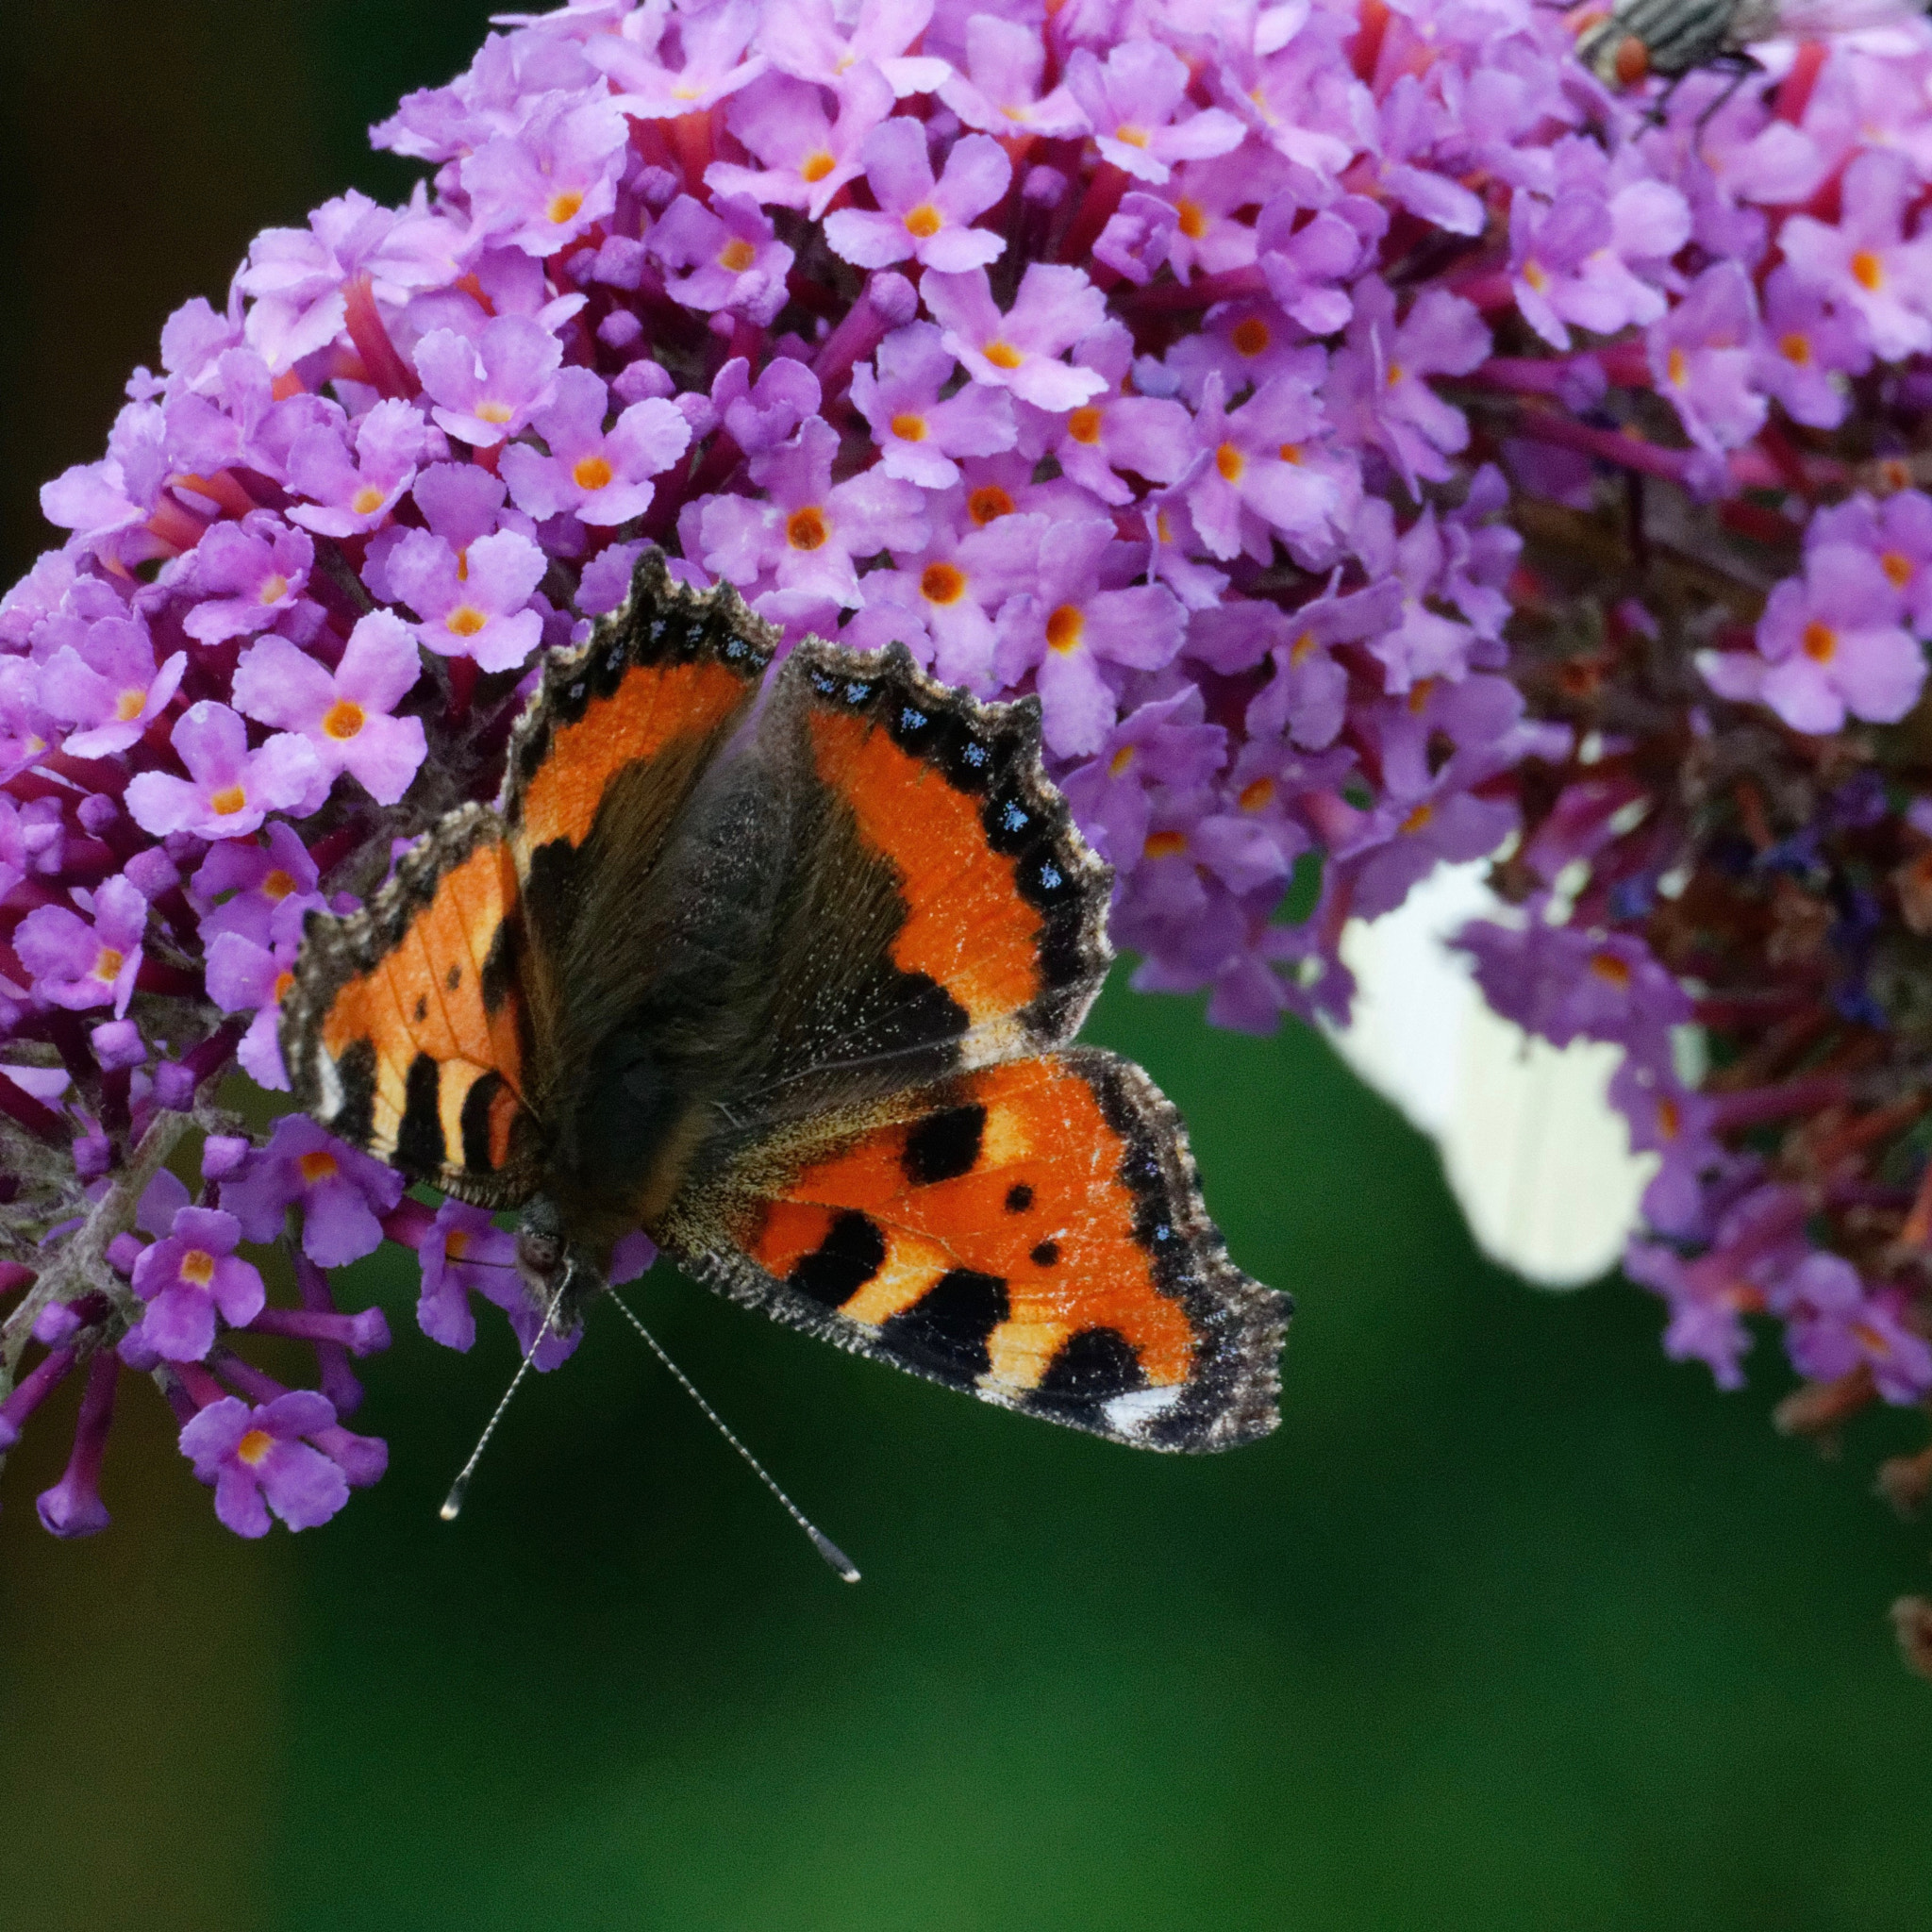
[
  {"x": 453, "y": 978},
  {"x": 477, "y": 1122},
  {"x": 355, "y": 1119},
  {"x": 943, "y": 1145},
  {"x": 853, "y": 1251},
  {"x": 1095, "y": 1365},
  {"x": 421, "y": 1012},
  {"x": 952, "y": 1322},
  {"x": 420, "y": 1146},
  {"x": 1045, "y": 1255},
  {"x": 1019, "y": 1198}
]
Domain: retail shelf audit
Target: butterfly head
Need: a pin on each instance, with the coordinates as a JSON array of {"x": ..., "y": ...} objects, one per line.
[{"x": 558, "y": 1272}]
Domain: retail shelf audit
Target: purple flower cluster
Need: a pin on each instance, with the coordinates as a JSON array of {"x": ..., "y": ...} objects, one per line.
[{"x": 1372, "y": 441}]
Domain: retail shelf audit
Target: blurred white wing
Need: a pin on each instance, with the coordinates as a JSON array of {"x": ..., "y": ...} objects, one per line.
[{"x": 1536, "y": 1156}]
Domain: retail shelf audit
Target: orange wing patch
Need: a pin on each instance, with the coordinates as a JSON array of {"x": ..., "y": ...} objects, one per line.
[
  {"x": 403, "y": 1031},
  {"x": 1008, "y": 1209}
]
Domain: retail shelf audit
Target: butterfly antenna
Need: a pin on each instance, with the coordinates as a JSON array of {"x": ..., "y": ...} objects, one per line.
[
  {"x": 453, "y": 1503},
  {"x": 824, "y": 1544}
]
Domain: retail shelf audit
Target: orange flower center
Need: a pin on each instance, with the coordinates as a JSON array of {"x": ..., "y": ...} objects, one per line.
[
  {"x": 1795, "y": 347},
  {"x": 590, "y": 472},
  {"x": 1064, "y": 627},
  {"x": 561, "y": 206},
  {"x": 1898, "y": 570},
  {"x": 198, "y": 1266},
  {"x": 367, "y": 500},
  {"x": 1418, "y": 817},
  {"x": 1083, "y": 425},
  {"x": 274, "y": 586},
  {"x": 1230, "y": 463},
  {"x": 277, "y": 886},
  {"x": 343, "y": 718},
  {"x": 1677, "y": 365},
  {"x": 1670, "y": 1118},
  {"x": 908, "y": 427},
  {"x": 1419, "y": 696},
  {"x": 988, "y": 504},
  {"x": 228, "y": 801},
  {"x": 491, "y": 413},
  {"x": 1820, "y": 643},
  {"x": 1610, "y": 970},
  {"x": 108, "y": 965},
  {"x": 1396, "y": 372},
  {"x": 318, "y": 1166},
  {"x": 1867, "y": 271},
  {"x": 1299, "y": 651},
  {"x": 1133, "y": 136},
  {"x": 465, "y": 621},
  {"x": 253, "y": 1446},
  {"x": 925, "y": 221},
  {"x": 1258, "y": 794},
  {"x": 1165, "y": 844},
  {"x": 1190, "y": 219},
  {"x": 815, "y": 167},
  {"x": 1533, "y": 275},
  {"x": 283, "y": 982},
  {"x": 127, "y": 707},
  {"x": 1250, "y": 336},
  {"x": 1004, "y": 355},
  {"x": 1120, "y": 762},
  {"x": 737, "y": 255},
  {"x": 941, "y": 583},
  {"x": 805, "y": 529}
]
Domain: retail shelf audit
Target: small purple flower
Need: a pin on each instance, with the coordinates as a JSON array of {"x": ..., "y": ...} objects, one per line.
[
  {"x": 759, "y": 415},
  {"x": 710, "y": 67},
  {"x": 807, "y": 531},
  {"x": 1862, "y": 262},
  {"x": 246, "y": 976},
  {"x": 1382, "y": 371},
  {"x": 918, "y": 216},
  {"x": 1806, "y": 352},
  {"x": 340, "y": 1193},
  {"x": 463, "y": 1252},
  {"x": 1005, "y": 62},
  {"x": 1835, "y": 1327},
  {"x": 109, "y": 686},
  {"x": 242, "y": 886},
  {"x": 1257, "y": 481},
  {"x": 540, "y": 188},
  {"x": 1707, "y": 1306},
  {"x": 1021, "y": 349},
  {"x": 488, "y": 388},
  {"x": 189, "y": 1277},
  {"x": 342, "y": 715},
  {"x": 601, "y": 479},
  {"x": 1829, "y": 643},
  {"x": 807, "y": 38},
  {"x": 919, "y": 435},
  {"x": 1130, "y": 103},
  {"x": 1115, "y": 432},
  {"x": 77, "y": 964},
  {"x": 349, "y": 496},
  {"x": 1700, "y": 357},
  {"x": 726, "y": 259},
  {"x": 1165, "y": 743},
  {"x": 1067, "y": 627},
  {"x": 249, "y": 574},
  {"x": 807, "y": 156},
  {"x": 473, "y": 603},
  {"x": 229, "y": 789},
  {"x": 257, "y": 1460}
]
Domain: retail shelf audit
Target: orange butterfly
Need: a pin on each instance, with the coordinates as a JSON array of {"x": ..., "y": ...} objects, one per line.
[{"x": 784, "y": 972}]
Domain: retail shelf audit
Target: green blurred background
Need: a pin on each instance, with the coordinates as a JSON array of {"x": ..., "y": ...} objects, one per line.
[{"x": 1511, "y": 1624}]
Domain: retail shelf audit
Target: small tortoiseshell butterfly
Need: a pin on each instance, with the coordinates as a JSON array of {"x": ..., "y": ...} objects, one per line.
[{"x": 785, "y": 974}]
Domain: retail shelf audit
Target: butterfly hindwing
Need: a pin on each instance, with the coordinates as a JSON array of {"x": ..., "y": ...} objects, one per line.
[{"x": 1033, "y": 1232}]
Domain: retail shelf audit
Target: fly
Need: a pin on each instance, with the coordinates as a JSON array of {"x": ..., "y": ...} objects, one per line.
[{"x": 1637, "y": 38}]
